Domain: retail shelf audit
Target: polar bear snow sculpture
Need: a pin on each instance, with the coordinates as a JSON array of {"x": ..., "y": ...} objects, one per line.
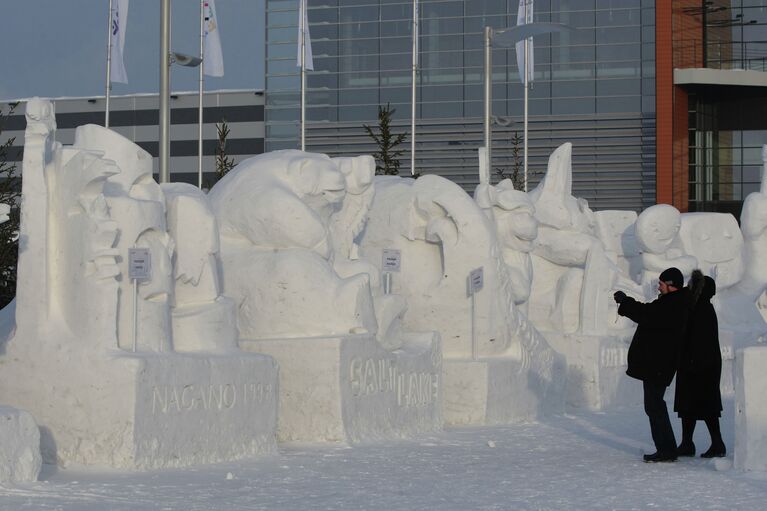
[{"x": 274, "y": 214}]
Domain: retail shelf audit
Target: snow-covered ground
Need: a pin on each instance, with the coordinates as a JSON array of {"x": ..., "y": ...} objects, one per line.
[{"x": 581, "y": 460}]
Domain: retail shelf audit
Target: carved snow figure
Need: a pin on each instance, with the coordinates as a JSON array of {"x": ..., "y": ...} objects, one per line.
[
  {"x": 657, "y": 232},
  {"x": 514, "y": 216},
  {"x": 70, "y": 360},
  {"x": 274, "y": 215},
  {"x": 345, "y": 227},
  {"x": 739, "y": 304},
  {"x": 203, "y": 319},
  {"x": 442, "y": 236},
  {"x": 716, "y": 243},
  {"x": 137, "y": 207},
  {"x": 573, "y": 277}
]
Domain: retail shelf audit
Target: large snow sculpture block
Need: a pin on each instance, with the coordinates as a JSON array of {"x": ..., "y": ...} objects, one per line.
[
  {"x": 751, "y": 409},
  {"x": 20, "y": 459},
  {"x": 349, "y": 389},
  {"x": 105, "y": 389}
]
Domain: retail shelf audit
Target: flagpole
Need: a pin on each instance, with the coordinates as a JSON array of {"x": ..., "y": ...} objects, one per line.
[
  {"x": 202, "y": 85},
  {"x": 302, "y": 31},
  {"x": 413, "y": 91},
  {"x": 484, "y": 179},
  {"x": 109, "y": 66},
  {"x": 527, "y": 70},
  {"x": 164, "y": 91}
]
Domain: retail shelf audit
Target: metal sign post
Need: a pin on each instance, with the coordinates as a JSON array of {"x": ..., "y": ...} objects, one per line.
[
  {"x": 476, "y": 282},
  {"x": 139, "y": 268}
]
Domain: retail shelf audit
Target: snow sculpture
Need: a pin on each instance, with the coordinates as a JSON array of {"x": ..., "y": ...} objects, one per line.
[
  {"x": 442, "y": 236},
  {"x": 657, "y": 231},
  {"x": 575, "y": 272},
  {"x": 716, "y": 243},
  {"x": 751, "y": 409},
  {"x": 20, "y": 459},
  {"x": 739, "y": 311},
  {"x": 203, "y": 319},
  {"x": 70, "y": 359},
  {"x": 136, "y": 210},
  {"x": 617, "y": 230},
  {"x": 573, "y": 277},
  {"x": 288, "y": 222},
  {"x": 274, "y": 212},
  {"x": 516, "y": 228}
]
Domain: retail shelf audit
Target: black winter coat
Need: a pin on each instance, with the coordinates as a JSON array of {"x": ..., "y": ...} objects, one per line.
[
  {"x": 700, "y": 366},
  {"x": 661, "y": 324}
]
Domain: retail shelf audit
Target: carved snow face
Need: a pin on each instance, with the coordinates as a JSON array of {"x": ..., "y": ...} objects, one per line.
[
  {"x": 320, "y": 184},
  {"x": 657, "y": 228}
]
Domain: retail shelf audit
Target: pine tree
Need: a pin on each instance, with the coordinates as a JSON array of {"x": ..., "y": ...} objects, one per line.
[
  {"x": 387, "y": 157},
  {"x": 223, "y": 163},
  {"x": 10, "y": 193}
]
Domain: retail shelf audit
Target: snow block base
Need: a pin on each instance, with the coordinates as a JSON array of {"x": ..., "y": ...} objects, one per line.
[
  {"x": 491, "y": 391},
  {"x": 751, "y": 409},
  {"x": 148, "y": 411},
  {"x": 596, "y": 370},
  {"x": 349, "y": 389},
  {"x": 20, "y": 459}
]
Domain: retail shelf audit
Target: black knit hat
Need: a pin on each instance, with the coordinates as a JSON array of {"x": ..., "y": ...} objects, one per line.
[{"x": 673, "y": 277}]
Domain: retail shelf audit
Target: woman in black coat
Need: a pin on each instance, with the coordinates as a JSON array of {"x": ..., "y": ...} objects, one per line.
[{"x": 700, "y": 369}]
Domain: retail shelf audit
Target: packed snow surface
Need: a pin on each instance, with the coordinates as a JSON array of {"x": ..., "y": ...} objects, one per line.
[{"x": 581, "y": 460}]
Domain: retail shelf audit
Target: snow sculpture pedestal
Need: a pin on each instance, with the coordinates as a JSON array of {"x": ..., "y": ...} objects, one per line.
[
  {"x": 149, "y": 411},
  {"x": 493, "y": 391},
  {"x": 596, "y": 370},
  {"x": 349, "y": 389},
  {"x": 751, "y": 409},
  {"x": 20, "y": 459}
]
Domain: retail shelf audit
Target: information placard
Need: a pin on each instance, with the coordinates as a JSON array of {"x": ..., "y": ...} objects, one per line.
[
  {"x": 392, "y": 258},
  {"x": 476, "y": 280},
  {"x": 139, "y": 264}
]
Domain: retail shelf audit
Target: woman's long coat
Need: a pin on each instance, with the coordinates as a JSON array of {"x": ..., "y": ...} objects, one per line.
[{"x": 700, "y": 368}]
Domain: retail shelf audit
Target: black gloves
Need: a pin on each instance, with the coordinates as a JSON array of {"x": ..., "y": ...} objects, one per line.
[{"x": 619, "y": 296}]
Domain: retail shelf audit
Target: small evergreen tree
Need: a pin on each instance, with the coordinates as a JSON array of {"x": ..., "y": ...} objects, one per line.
[
  {"x": 10, "y": 193},
  {"x": 223, "y": 163},
  {"x": 387, "y": 157},
  {"x": 517, "y": 172}
]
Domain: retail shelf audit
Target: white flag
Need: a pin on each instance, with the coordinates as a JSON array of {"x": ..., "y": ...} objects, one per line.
[
  {"x": 213, "y": 61},
  {"x": 303, "y": 26},
  {"x": 119, "y": 17},
  {"x": 525, "y": 15}
]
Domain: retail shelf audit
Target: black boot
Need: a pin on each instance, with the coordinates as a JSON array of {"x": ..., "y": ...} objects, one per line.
[
  {"x": 659, "y": 457},
  {"x": 685, "y": 449},
  {"x": 717, "y": 449}
]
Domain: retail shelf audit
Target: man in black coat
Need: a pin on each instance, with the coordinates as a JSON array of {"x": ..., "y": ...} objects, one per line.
[{"x": 654, "y": 352}]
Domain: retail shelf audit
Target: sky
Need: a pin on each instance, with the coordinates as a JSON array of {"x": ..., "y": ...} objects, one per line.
[{"x": 53, "y": 48}]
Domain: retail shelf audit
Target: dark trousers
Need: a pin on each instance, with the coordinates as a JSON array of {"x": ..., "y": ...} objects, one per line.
[{"x": 660, "y": 425}]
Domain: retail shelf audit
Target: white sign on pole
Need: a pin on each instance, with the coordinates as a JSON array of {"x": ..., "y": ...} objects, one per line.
[
  {"x": 139, "y": 264},
  {"x": 392, "y": 259},
  {"x": 476, "y": 280}
]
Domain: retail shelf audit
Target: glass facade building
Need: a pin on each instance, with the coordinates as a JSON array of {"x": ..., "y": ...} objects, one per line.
[{"x": 598, "y": 87}]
